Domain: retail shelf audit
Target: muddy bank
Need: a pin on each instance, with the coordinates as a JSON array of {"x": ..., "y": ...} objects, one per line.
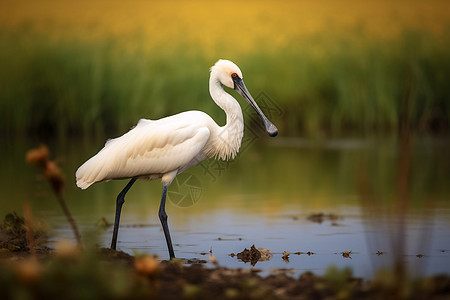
[
  {"x": 107, "y": 274},
  {"x": 69, "y": 272}
]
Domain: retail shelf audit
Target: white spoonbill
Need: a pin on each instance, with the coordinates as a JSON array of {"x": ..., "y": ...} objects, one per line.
[{"x": 166, "y": 147}]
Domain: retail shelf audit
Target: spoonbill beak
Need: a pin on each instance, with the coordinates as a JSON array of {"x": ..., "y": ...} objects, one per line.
[{"x": 240, "y": 87}]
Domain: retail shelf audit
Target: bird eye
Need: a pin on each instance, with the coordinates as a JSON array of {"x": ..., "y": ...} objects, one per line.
[{"x": 234, "y": 75}]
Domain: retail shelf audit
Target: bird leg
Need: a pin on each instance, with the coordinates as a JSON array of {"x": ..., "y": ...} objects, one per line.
[
  {"x": 163, "y": 217},
  {"x": 119, "y": 202}
]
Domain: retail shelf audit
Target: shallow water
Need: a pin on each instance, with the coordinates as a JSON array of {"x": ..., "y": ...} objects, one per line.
[{"x": 264, "y": 198}]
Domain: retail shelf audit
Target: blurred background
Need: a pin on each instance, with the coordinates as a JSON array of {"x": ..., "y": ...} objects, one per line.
[
  {"x": 359, "y": 91},
  {"x": 83, "y": 68}
]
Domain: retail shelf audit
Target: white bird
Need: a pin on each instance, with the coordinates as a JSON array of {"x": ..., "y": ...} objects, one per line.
[{"x": 166, "y": 147}]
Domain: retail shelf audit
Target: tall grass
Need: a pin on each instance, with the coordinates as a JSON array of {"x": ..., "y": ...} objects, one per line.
[
  {"x": 327, "y": 82},
  {"x": 364, "y": 84}
]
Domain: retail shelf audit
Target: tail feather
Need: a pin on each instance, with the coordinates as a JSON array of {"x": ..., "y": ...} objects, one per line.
[
  {"x": 88, "y": 174},
  {"x": 83, "y": 181},
  {"x": 96, "y": 169},
  {"x": 83, "y": 184}
]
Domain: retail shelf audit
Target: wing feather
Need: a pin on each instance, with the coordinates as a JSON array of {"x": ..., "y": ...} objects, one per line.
[{"x": 150, "y": 148}]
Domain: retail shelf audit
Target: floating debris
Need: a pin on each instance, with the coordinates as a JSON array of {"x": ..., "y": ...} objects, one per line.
[
  {"x": 265, "y": 254},
  {"x": 300, "y": 253},
  {"x": 419, "y": 255},
  {"x": 379, "y": 253},
  {"x": 346, "y": 254},
  {"x": 228, "y": 239},
  {"x": 252, "y": 255},
  {"x": 320, "y": 217}
]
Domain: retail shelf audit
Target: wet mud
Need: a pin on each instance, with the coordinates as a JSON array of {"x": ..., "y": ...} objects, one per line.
[{"x": 103, "y": 273}]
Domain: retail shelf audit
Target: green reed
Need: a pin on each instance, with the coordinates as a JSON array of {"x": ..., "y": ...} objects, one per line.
[{"x": 329, "y": 83}]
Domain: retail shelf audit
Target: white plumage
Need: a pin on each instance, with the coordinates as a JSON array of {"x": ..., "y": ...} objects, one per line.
[
  {"x": 163, "y": 148},
  {"x": 150, "y": 150}
]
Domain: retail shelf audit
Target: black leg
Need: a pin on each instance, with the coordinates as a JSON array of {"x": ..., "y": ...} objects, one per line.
[
  {"x": 119, "y": 202},
  {"x": 163, "y": 217}
]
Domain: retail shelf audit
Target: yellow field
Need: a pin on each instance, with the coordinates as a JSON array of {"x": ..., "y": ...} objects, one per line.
[
  {"x": 330, "y": 64},
  {"x": 245, "y": 25}
]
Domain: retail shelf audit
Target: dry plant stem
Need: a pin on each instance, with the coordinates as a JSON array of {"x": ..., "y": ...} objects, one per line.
[
  {"x": 69, "y": 217},
  {"x": 40, "y": 157}
]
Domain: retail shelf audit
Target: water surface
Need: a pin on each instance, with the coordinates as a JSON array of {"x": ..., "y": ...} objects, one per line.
[{"x": 388, "y": 206}]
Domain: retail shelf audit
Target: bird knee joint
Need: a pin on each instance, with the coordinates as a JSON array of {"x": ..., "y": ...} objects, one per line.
[
  {"x": 120, "y": 200},
  {"x": 163, "y": 216}
]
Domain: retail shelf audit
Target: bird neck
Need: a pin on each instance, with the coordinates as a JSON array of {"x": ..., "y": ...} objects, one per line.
[{"x": 230, "y": 135}]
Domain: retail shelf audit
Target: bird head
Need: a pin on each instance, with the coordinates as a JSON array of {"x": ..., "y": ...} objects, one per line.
[
  {"x": 225, "y": 71},
  {"x": 230, "y": 75}
]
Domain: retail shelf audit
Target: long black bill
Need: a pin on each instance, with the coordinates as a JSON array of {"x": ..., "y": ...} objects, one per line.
[{"x": 239, "y": 86}]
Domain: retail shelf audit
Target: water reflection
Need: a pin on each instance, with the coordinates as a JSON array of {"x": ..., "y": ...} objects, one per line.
[{"x": 264, "y": 198}]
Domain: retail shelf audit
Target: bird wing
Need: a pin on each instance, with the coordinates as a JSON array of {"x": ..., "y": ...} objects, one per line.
[{"x": 150, "y": 148}]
